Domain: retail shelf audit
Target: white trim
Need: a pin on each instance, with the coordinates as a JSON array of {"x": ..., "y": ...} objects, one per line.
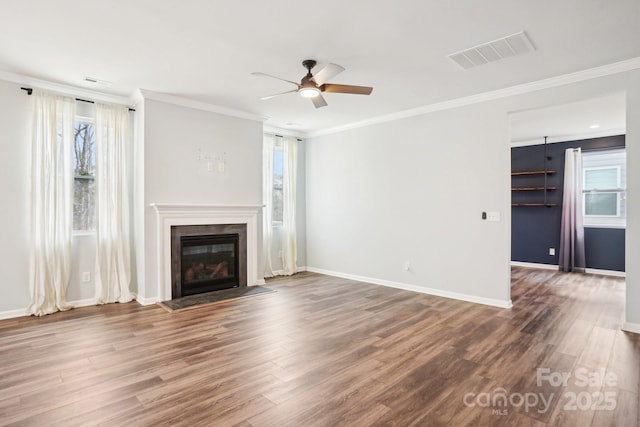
[
  {"x": 147, "y": 301},
  {"x": 579, "y": 76},
  {"x": 613, "y": 273},
  {"x": 534, "y": 265},
  {"x": 566, "y": 138},
  {"x": 199, "y": 105},
  {"x": 64, "y": 89},
  {"x": 407, "y": 287},
  {"x": 83, "y": 303},
  {"x": 261, "y": 282},
  {"x": 631, "y": 327},
  {"x": 11, "y": 314},
  {"x": 172, "y": 214},
  {"x": 272, "y": 130},
  {"x": 553, "y": 267},
  {"x": 277, "y": 273}
]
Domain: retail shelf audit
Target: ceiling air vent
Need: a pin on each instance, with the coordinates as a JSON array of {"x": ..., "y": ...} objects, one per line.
[{"x": 515, "y": 44}]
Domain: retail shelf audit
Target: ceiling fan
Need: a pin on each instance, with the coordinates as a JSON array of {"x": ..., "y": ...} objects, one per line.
[{"x": 311, "y": 86}]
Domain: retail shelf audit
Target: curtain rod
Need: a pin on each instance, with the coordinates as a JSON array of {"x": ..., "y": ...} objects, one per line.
[
  {"x": 280, "y": 136},
  {"x": 29, "y": 91}
]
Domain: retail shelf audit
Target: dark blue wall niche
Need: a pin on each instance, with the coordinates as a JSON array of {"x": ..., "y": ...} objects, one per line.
[{"x": 536, "y": 229}]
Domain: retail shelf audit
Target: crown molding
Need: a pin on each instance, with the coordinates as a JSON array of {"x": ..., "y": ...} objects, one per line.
[
  {"x": 565, "y": 138},
  {"x": 136, "y": 97},
  {"x": 64, "y": 89},
  {"x": 198, "y": 105},
  {"x": 579, "y": 76},
  {"x": 284, "y": 132}
]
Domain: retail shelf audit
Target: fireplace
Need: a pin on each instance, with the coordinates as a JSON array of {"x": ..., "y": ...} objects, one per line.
[
  {"x": 176, "y": 219},
  {"x": 208, "y": 263},
  {"x": 207, "y": 258}
]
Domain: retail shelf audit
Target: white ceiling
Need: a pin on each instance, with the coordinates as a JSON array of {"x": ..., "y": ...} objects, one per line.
[
  {"x": 603, "y": 116},
  {"x": 205, "y": 50}
]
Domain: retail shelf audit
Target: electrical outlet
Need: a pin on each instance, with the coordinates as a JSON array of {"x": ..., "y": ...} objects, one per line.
[
  {"x": 552, "y": 251},
  {"x": 86, "y": 276},
  {"x": 407, "y": 266}
]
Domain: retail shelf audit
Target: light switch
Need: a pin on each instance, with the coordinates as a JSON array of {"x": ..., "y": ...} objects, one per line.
[{"x": 493, "y": 216}]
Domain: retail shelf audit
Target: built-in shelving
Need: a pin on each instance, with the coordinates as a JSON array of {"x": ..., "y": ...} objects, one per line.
[
  {"x": 530, "y": 180},
  {"x": 533, "y": 188},
  {"x": 548, "y": 172}
]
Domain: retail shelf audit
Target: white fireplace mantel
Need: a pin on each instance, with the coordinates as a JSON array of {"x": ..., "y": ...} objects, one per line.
[{"x": 174, "y": 214}]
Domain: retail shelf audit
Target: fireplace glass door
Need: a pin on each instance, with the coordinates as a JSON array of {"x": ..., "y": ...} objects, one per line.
[{"x": 209, "y": 263}]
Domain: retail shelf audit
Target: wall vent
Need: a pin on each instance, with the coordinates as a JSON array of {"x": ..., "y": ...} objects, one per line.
[
  {"x": 93, "y": 80},
  {"x": 515, "y": 44}
]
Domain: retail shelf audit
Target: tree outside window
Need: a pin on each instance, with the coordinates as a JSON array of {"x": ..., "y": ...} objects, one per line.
[{"x": 84, "y": 176}]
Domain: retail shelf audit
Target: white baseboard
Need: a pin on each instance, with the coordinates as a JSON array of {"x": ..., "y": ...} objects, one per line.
[
  {"x": 534, "y": 265},
  {"x": 631, "y": 327},
  {"x": 261, "y": 282},
  {"x": 277, "y": 273},
  {"x": 11, "y": 314},
  {"x": 407, "y": 287},
  {"x": 556, "y": 268},
  {"x": 605, "y": 272},
  {"x": 147, "y": 301}
]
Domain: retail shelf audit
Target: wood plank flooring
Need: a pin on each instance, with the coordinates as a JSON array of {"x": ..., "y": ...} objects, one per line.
[{"x": 323, "y": 351}]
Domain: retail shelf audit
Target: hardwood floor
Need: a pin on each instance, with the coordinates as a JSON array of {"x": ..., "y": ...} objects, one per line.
[{"x": 323, "y": 351}]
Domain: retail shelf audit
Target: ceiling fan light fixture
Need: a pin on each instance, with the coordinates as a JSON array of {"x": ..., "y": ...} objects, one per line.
[{"x": 309, "y": 92}]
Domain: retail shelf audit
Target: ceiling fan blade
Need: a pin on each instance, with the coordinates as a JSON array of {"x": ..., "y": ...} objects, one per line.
[
  {"x": 264, "y": 98},
  {"x": 356, "y": 90},
  {"x": 274, "y": 77},
  {"x": 328, "y": 72},
  {"x": 319, "y": 101}
]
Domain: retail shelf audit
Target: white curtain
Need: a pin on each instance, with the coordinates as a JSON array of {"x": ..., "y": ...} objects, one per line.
[
  {"x": 268, "y": 147},
  {"x": 51, "y": 203},
  {"x": 572, "y": 255},
  {"x": 113, "y": 258},
  {"x": 289, "y": 172}
]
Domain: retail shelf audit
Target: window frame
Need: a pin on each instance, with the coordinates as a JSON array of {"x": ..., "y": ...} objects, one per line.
[{"x": 619, "y": 220}]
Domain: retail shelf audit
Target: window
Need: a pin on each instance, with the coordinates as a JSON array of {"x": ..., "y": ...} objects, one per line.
[
  {"x": 604, "y": 188},
  {"x": 84, "y": 162},
  {"x": 278, "y": 156}
]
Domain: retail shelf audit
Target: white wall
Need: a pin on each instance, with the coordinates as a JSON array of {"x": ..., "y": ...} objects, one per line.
[
  {"x": 15, "y": 143},
  {"x": 173, "y": 137},
  {"x": 414, "y": 189}
]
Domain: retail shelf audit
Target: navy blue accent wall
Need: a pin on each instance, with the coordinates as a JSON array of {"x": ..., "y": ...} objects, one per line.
[{"x": 536, "y": 229}]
